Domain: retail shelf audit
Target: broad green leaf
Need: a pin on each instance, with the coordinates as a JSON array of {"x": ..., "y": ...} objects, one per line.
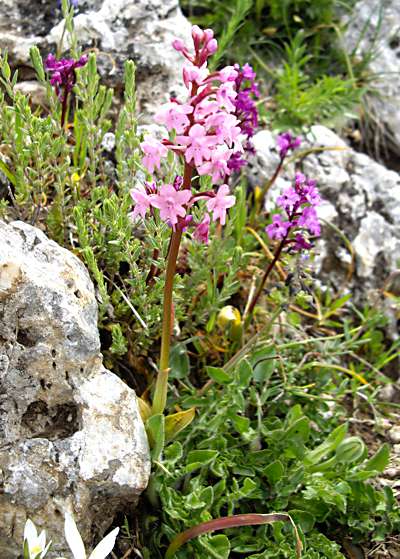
[
  {"x": 379, "y": 460},
  {"x": 274, "y": 471},
  {"x": 245, "y": 373},
  {"x": 329, "y": 445},
  {"x": 201, "y": 456},
  {"x": 179, "y": 362},
  {"x": 219, "y": 375},
  {"x": 217, "y": 546},
  {"x": 303, "y": 519}
]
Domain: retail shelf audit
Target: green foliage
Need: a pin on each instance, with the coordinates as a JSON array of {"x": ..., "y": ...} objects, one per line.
[
  {"x": 296, "y": 47},
  {"x": 260, "y": 444},
  {"x": 301, "y": 101}
]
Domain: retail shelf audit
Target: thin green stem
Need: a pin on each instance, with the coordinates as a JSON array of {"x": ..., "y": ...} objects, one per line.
[
  {"x": 264, "y": 278},
  {"x": 160, "y": 391},
  {"x": 271, "y": 181},
  {"x": 64, "y": 106}
]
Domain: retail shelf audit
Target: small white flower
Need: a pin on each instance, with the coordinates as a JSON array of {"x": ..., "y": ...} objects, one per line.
[
  {"x": 34, "y": 544},
  {"x": 74, "y": 540}
]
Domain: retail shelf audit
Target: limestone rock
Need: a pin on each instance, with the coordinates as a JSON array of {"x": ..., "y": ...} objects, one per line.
[
  {"x": 361, "y": 199},
  {"x": 71, "y": 437},
  {"x": 116, "y": 30},
  {"x": 374, "y": 26}
]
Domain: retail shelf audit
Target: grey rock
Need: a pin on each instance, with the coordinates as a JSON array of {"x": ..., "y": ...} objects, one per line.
[
  {"x": 394, "y": 434},
  {"x": 116, "y": 30},
  {"x": 375, "y": 27},
  {"x": 387, "y": 393},
  {"x": 71, "y": 436},
  {"x": 361, "y": 199}
]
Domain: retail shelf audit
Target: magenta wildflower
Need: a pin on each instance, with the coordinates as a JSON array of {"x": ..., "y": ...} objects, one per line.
[
  {"x": 288, "y": 198},
  {"x": 219, "y": 114},
  {"x": 220, "y": 203},
  {"x": 245, "y": 111},
  {"x": 278, "y": 228},
  {"x": 286, "y": 142},
  {"x": 153, "y": 150},
  {"x": 309, "y": 220},
  {"x": 201, "y": 231},
  {"x": 142, "y": 201},
  {"x": 300, "y": 243},
  {"x": 217, "y": 167},
  {"x": 63, "y": 73},
  {"x": 174, "y": 116},
  {"x": 171, "y": 203},
  {"x": 236, "y": 162},
  {"x": 198, "y": 144},
  {"x": 299, "y": 204}
]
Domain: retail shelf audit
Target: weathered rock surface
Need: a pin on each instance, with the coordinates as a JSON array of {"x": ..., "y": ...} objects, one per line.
[
  {"x": 375, "y": 27},
  {"x": 71, "y": 437},
  {"x": 362, "y": 199},
  {"x": 116, "y": 29}
]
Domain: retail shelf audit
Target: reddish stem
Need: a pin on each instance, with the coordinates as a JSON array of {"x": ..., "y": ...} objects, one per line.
[{"x": 233, "y": 521}]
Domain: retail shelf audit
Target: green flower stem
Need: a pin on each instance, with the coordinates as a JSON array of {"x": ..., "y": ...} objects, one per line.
[
  {"x": 269, "y": 184},
  {"x": 264, "y": 279},
  {"x": 64, "y": 107},
  {"x": 160, "y": 392}
]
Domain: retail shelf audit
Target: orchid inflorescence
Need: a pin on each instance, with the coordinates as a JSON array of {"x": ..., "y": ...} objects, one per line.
[
  {"x": 286, "y": 143},
  {"x": 63, "y": 78},
  {"x": 63, "y": 72},
  {"x": 299, "y": 203},
  {"x": 213, "y": 128}
]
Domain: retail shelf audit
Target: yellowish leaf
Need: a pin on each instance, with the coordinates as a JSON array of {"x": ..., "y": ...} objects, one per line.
[{"x": 176, "y": 422}]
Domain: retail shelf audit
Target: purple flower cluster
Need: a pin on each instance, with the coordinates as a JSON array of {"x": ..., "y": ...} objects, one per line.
[
  {"x": 245, "y": 111},
  {"x": 63, "y": 73},
  {"x": 286, "y": 142},
  {"x": 299, "y": 203}
]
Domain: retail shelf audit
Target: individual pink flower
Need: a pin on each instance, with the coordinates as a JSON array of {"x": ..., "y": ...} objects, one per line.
[
  {"x": 206, "y": 108},
  {"x": 288, "y": 198},
  {"x": 198, "y": 144},
  {"x": 171, "y": 203},
  {"x": 153, "y": 151},
  {"x": 142, "y": 201},
  {"x": 201, "y": 232},
  {"x": 217, "y": 167},
  {"x": 174, "y": 115},
  {"x": 310, "y": 193},
  {"x": 309, "y": 220},
  {"x": 287, "y": 142},
  {"x": 278, "y": 228},
  {"x": 226, "y": 96},
  {"x": 225, "y": 125},
  {"x": 228, "y": 74},
  {"x": 220, "y": 203}
]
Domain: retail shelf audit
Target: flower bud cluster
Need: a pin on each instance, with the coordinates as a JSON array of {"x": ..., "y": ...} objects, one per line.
[{"x": 299, "y": 203}]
